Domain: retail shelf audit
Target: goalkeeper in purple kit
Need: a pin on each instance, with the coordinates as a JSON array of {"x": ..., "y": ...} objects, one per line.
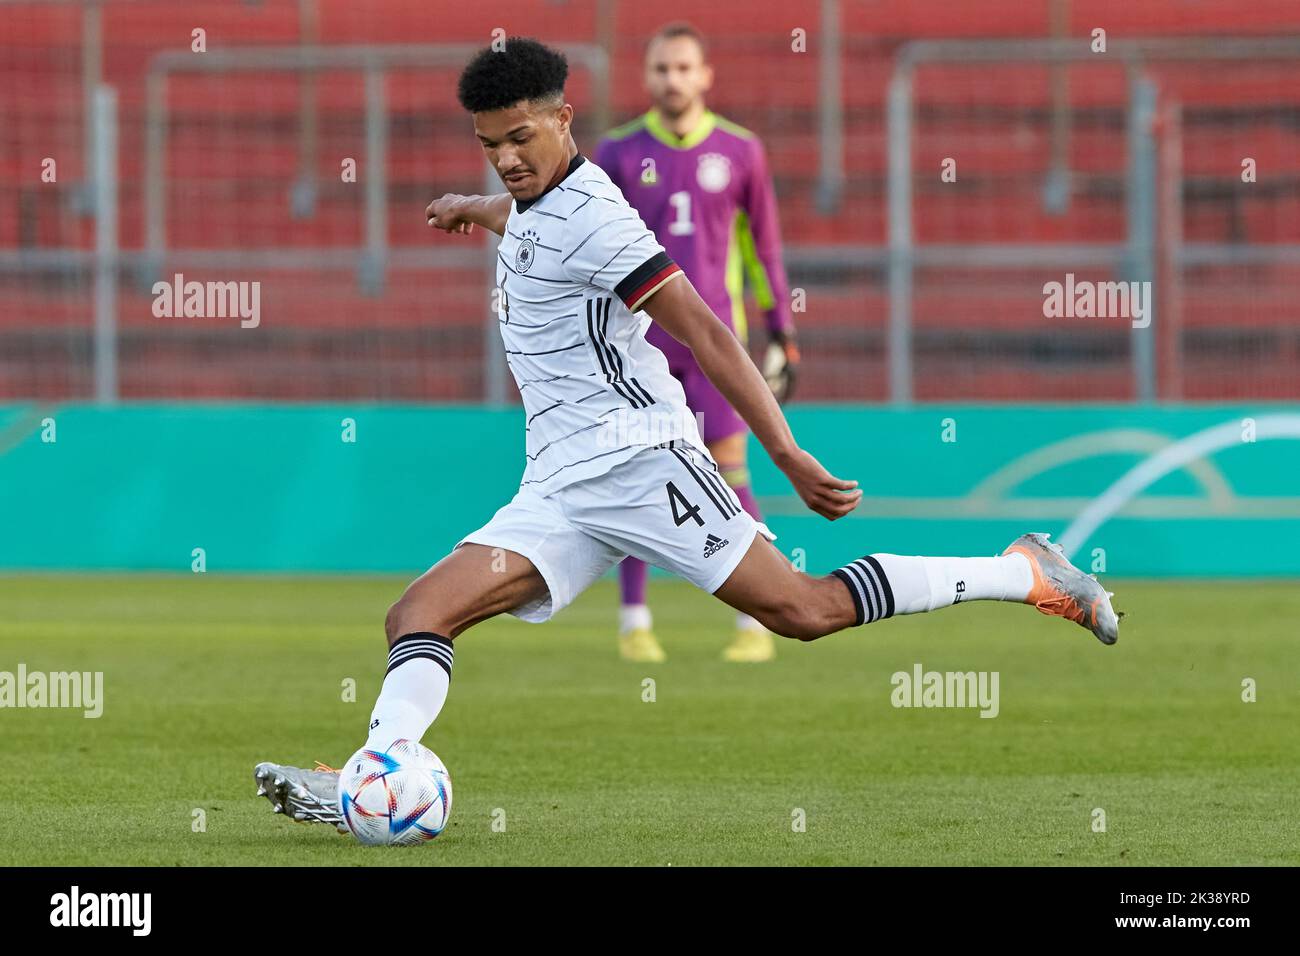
[{"x": 701, "y": 185}]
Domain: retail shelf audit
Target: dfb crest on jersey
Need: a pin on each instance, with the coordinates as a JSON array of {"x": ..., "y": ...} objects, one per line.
[
  {"x": 713, "y": 172},
  {"x": 526, "y": 251}
]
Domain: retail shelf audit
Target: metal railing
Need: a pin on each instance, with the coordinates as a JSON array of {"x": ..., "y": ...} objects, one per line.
[
  {"x": 899, "y": 257},
  {"x": 1133, "y": 256},
  {"x": 375, "y": 257}
]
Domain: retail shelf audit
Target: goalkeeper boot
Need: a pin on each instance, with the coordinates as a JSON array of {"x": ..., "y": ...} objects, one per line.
[
  {"x": 641, "y": 646},
  {"x": 753, "y": 644}
]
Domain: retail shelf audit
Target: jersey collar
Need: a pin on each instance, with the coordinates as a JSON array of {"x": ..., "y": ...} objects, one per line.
[
  {"x": 523, "y": 205},
  {"x": 654, "y": 125}
]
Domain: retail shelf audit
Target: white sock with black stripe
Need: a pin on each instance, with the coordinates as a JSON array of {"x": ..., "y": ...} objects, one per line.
[
  {"x": 415, "y": 688},
  {"x": 873, "y": 597},
  {"x": 885, "y": 584}
]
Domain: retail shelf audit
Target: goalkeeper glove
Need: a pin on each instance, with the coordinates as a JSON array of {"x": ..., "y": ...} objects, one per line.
[{"x": 781, "y": 365}]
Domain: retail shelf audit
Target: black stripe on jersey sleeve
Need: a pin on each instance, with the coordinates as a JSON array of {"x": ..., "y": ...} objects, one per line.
[{"x": 642, "y": 273}]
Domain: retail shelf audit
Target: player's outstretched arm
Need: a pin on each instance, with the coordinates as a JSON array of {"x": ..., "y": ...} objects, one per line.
[
  {"x": 460, "y": 214},
  {"x": 680, "y": 311}
]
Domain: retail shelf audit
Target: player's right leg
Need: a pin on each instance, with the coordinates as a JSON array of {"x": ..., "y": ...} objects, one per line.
[
  {"x": 528, "y": 560},
  {"x": 473, "y": 583}
]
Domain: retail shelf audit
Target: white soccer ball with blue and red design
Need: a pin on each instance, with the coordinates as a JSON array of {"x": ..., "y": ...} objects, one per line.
[{"x": 395, "y": 797}]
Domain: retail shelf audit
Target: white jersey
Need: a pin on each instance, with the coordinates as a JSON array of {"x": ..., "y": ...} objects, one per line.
[{"x": 573, "y": 269}]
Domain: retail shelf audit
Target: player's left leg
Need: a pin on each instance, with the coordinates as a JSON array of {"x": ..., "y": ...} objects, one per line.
[
  {"x": 668, "y": 506},
  {"x": 1032, "y": 570}
]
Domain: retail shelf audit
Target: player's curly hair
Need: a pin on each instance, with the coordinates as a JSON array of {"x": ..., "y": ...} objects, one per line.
[{"x": 524, "y": 70}]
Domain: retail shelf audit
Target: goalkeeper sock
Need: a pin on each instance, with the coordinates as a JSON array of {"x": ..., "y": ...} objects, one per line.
[
  {"x": 737, "y": 480},
  {"x": 632, "y": 575},
  {"x": 415, "y": 688},
  {"x": 882, "y": 585}
]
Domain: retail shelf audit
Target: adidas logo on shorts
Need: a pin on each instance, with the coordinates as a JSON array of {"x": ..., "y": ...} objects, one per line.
[{"x": 713, "y": 544}]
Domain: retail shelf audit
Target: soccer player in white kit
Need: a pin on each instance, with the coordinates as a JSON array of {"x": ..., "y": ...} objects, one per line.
[{"x": 614, "y": 462}]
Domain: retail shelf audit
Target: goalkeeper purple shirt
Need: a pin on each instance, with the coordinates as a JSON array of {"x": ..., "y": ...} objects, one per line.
[{"x": 708, "y": 199}]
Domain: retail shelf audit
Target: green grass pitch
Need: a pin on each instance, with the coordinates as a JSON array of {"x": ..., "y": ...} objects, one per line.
[{"x": 547, "y": 731}]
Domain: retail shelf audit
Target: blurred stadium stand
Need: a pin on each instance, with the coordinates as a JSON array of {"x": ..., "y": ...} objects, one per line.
[{"x": 252, "y": 192}]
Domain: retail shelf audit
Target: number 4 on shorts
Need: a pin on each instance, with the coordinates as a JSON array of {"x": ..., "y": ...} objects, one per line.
[{"x": 681, "y": 517}]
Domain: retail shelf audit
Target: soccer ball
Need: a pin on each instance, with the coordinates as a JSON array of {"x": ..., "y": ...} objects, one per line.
[{"x": 397, "y": 797}]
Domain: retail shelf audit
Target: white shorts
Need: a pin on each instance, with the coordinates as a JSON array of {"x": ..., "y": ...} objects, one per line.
[{"x": 667, "y": 506}]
